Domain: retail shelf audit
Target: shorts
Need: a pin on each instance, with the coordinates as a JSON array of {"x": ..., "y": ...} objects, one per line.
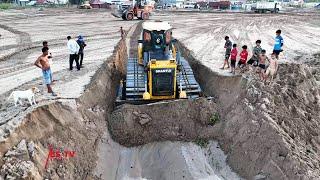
[
  {"x": 253, "y": 61},
  {"x": 47, "y": 76},
  {"x": 227, "y": 56},
  {"x": 262, "y": 66},
  {"x": 277, "y": 52},
  {"x": 233, "y": 63},
  {"x": 241, "y": 63}
]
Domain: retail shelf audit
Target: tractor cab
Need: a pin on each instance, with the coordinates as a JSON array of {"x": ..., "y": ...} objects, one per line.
[{"x": 156, "y": 43}]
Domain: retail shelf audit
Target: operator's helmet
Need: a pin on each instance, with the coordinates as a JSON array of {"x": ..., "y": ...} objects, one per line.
[{"x": 158, "y": 41}]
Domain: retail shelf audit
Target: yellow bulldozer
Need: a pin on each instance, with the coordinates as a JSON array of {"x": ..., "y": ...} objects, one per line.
[{"x": 159, "y": 72}]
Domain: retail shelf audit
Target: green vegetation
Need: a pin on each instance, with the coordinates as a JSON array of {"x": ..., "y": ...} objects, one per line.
[
  {"x": 214, "y": 119},
  {"x": 203, "y": 143},
  {"x": 5, "y": 6}
]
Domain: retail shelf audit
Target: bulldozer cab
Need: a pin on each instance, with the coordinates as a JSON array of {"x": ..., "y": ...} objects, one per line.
[{"x": 156, "y": 41}]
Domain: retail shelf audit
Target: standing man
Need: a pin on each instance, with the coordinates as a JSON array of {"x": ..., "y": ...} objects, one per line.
[
  {"x": 227, "y": 46},
  {"x": 45, "y": 44},
  {"x": 43, "y": 63},
  {"x": 82, "y": 44},
  {"x": 278, "y": 44},
  {"x": 122, "y": 32},
  {"x": 74, "y": 50}
]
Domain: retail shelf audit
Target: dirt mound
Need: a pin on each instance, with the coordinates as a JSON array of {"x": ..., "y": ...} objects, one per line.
[
  {"x": 267, "y": 131},
  {"x": 182, "y": 120},
  {"x": 62, "y": 126},
  {"x": 271, "y": 131},
  {"x": 281, "y": 128}
]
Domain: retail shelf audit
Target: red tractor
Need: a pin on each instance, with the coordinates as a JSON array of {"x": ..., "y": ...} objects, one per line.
[{"x": 136, "y": 9}]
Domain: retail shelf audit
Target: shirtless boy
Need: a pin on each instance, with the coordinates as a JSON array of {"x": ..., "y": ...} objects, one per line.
[
  {"x": 45, "y": 44},
  {"x": 43, "y": 63},
  {"x": 273, "y": 67},
  {"x": 262, "y": 64}
]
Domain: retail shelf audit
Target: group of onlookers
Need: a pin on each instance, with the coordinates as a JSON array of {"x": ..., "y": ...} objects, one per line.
[
  {"x": 76, "y": 54},
  {"x": 259, "y": 59},
  {"x": 45, "y": 60}
]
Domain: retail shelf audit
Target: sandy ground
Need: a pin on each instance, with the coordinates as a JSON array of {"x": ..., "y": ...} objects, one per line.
[
  {"x": 22, "y": 35},
  {"x": 163, "y": 160},
  {"x": 204, "y": 33}
]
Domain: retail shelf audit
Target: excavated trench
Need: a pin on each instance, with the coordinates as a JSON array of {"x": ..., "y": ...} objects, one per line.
[
  {"x": 178, "y": 120},
  {"x": 80, "y": 125},
  {"x": 257, "y": 147}
]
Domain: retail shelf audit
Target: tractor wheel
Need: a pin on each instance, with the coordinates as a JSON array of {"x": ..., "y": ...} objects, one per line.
[
  {"x": 124, "y": 17},
  {"x": 145, "y": 16},
  {"x": 129, "y": 16}
]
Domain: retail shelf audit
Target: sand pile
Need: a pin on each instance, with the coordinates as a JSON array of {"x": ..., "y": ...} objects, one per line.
[
  {"x": 183, "y": 120},
  {"x": 276, "y": 126}
]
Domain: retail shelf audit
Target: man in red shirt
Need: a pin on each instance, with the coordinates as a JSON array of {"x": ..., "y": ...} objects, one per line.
[
  {"x": 243, "y": 58},
  {"x": 234, "y": 53}
]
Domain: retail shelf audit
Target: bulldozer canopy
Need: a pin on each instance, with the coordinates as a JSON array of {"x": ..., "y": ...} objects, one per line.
[{"x": 156, "y": 26}]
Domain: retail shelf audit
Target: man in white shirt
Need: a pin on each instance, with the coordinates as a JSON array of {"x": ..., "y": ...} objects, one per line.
[{"x": 73, "y": 51}]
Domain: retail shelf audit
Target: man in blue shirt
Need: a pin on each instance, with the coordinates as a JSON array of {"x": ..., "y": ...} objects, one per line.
[
  {"x": 278, "y": 44},
  {"x": 81, "y": 44}
]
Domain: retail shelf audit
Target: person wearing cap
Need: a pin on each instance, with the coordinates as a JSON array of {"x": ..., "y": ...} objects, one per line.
[{"x": 82, "y": 44}]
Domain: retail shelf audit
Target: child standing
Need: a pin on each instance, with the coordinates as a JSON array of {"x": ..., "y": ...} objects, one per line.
[
  {"x": 262, "y": 64},
  {"x": 277, "y": 48},
  {"x": 227, "y": 46},
  {"x": 273, "y": 67},
  {"x": 234, "y": 53},
  {"x": 243, "y": 58},
  {"x": 254, "y": 60}
]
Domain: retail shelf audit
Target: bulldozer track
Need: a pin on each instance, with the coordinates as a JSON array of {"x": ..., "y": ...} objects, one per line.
[
  {"x": 24, "y": 38},
  {"x": 16, "y": 68}
]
